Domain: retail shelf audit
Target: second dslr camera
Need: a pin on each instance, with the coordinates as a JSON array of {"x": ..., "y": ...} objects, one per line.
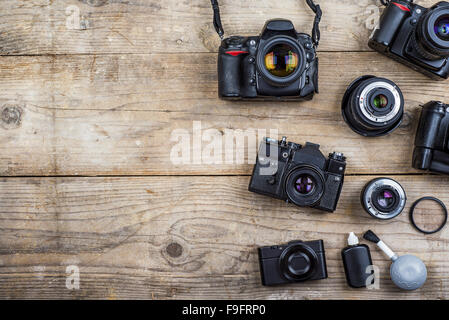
[
  {"x": 432, "y": 138},
  {"x": 279, "y": 64},
  {"x": 298, "y": 174},
  {"x": 415, "y": 36}
]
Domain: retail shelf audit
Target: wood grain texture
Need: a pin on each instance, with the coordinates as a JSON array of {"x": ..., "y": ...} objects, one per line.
[
  {"x": 157, "y": 26},
  {"x": 161, "y": 237},
  {"x": 115, "y": 114},
  {"x": 102, "y": 96}
]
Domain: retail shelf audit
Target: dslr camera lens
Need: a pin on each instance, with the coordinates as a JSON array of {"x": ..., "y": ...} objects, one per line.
[
  {"x": 383, "y": 198},
  {"x": 431, "y": 39},
  {"x": 373, "y": 106}
]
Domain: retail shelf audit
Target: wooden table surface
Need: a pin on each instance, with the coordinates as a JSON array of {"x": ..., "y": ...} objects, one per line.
[{"x": 91, "y": 93}]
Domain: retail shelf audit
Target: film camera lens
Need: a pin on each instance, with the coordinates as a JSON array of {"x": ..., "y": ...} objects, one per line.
[
  {"x": 373, "y": 106},
  {"x": 431, "y": 39},
  {"x": 298, "y": 262},
  {"x": 383, "y": 198},
  {"x": 304, "y": 186}
]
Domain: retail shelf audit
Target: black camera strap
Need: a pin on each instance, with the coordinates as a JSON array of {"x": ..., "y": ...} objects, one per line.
[
  {"x": 316, "y": 24},
  {"x": 217, "y": 19}
]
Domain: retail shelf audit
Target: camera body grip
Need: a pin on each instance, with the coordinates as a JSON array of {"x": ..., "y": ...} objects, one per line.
[
  {"x": 430, "y": 140},
  {"x": 389, "y": 23}
]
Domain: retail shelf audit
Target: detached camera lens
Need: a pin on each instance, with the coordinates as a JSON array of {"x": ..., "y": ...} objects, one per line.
[
  {"x": 373, "y": 106},
  {"x": 383, "y": 198}
]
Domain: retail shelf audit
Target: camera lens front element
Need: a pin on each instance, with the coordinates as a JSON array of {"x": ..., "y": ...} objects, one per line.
[
  {"x": 373, "y": 106},
  {"x": 441, "y": 28},
  {"x": 304, "y": 186},
  {"x": 298, "y": 262},
  {"x": 281, "y": 60},
  {"x": 383, "y": 198}
]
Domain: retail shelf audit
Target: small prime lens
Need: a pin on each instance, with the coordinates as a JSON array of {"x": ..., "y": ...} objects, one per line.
[
  {"x": 383, "y": 198},
  {"x": 373, "y": 106}
]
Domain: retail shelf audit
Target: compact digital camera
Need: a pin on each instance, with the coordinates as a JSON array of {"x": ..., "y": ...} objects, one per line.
[
  {"x": 298, "y": 174},
  {"x": 278, "y": 64},
  {"x": 432, "y": 139},
  {"x": 296, "y": 261},
  {"x": 415, "y": 36}
]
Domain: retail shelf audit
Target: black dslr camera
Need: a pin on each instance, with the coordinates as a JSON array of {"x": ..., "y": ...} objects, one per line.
[
  {"x": 279, "y": 64},
  {"x": 432, "y": 139},
  {"x": 296, "y": 261},
  {"x": 415, "y": 36},
  {"x": 298, "y": 174}
]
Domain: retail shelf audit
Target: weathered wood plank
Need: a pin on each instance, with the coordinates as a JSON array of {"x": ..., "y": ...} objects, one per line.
[
  {"x": 137, "y": 26},
  {"x": 161, "y": 237},
  {"x": 115, "y": 114}
]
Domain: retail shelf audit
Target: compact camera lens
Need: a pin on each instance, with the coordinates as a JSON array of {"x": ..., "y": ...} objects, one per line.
[
  {"x": 383, "y": 198},
  {"x": 305, "y": 184},
  {"x": 442, "y": 28},
  {"x": 298, "y": 262},
  {"x": 373, "y": 106},
  {"x": 281, "y": 60}
]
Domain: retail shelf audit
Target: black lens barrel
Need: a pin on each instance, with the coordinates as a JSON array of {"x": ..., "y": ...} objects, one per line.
[
  {"x": 364, "y": 115},
  {"x": 426, "y": 40}
]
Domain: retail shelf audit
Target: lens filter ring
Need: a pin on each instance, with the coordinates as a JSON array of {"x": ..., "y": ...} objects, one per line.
[
  {"x": 383, "y": 198},
  {"x": 373, "y": 106},
  {"x": 412, "y": 215}
]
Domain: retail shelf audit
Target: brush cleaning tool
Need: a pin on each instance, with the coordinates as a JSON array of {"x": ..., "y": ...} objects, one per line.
[{"x": 408, "y": 272}]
